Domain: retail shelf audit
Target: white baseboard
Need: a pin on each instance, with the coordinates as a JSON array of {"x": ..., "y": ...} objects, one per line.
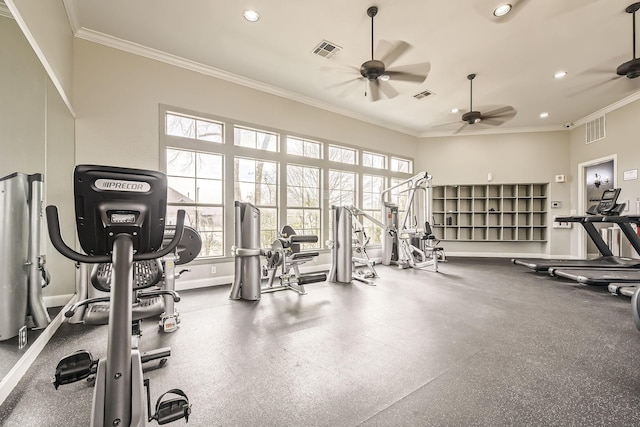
[{"x": 57, "y": 300}]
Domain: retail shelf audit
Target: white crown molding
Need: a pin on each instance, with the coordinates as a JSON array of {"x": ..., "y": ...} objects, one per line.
[
  {"x": 157, "y": 55},
  {"x": 71, "y": 6},
  {"x": 616, "y": 105},
  {"x": 495, "y": 131}
]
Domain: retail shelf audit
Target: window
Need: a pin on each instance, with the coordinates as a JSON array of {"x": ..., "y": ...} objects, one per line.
[
  {"x": 256, "y": 182},
  {"x": 189, "y": 127},
  {"x": 206, "y": 175},
  {"x": 195, "y": 185},
  {"x": 372, "y": 187},
  {"x": 399, "y": 197},
  {"x": 342, "y": 155},
  {"x": 401, "y": 165},
  {"x": 303, "y": 201},
  {"x": 303, "y": 147},
  {"x": 342, "y": 188},
  {"x": 252, "y": 138},
  {"x": 373, "y": 160}
]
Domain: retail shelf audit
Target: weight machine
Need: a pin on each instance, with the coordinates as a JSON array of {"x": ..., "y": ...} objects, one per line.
[
  {"x": 284, "y": 254},
  {"x": 406, "y": 245},
  {"x": 348, "y": 237},
  {"x": 22, "y": 265}
]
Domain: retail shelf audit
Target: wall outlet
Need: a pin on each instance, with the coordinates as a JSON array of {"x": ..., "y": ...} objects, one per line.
[
  {"x": 213, "y": 270},
  {"x": 560, "y": 178}
]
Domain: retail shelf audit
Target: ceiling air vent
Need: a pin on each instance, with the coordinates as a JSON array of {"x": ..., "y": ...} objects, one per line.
[
  {"x": 326, "y": 49},
  {"x": 422, "y": 94},
  {"x": 595, "y": 130}
]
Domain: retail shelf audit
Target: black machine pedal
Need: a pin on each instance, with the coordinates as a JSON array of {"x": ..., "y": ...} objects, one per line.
[
  {"x": 74, "y": 367},
  {"x": 169, "y": 409}
]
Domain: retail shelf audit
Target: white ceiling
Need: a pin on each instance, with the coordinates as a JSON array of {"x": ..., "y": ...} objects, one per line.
[{"x": 514, "y": 57}]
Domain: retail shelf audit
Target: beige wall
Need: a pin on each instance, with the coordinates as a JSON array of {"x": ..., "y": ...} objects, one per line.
[
  {"x": 510, "y": 158},
  {"x": 116, "y": 98},
  {"x": 621, "y": 141}
]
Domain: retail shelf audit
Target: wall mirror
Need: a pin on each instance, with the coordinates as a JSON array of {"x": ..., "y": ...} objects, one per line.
[{"x": 36, "y": 136}]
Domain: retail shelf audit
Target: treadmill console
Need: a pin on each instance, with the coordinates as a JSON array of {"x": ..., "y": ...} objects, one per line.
[{"x": 608, "y": 204}]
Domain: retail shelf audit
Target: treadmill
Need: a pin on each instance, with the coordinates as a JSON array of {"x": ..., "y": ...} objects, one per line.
[
  {"x": 607, "y": 208},
  {"x": 615, "y": 278}
]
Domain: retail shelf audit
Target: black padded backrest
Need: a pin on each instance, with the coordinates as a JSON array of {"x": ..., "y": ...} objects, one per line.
[
  {"x": 111, "y": 200},
  {"x": 288, "y": 231},
  {"x": 427, "y": 229}
]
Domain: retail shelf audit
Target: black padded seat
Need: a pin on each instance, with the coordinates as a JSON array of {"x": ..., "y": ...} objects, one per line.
[{"x": 98, "y": 314}]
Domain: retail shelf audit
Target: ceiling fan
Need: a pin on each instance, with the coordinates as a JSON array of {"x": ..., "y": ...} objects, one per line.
[
  {"x": 376, "y": 74},
  {"x": 494, "y": 117},
  {"x": 631, "y": 68}
]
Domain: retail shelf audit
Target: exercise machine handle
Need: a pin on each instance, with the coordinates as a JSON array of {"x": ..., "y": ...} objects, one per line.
[
  {"x": 301, "y": 238},
  {"x": 53, "y": 225}
]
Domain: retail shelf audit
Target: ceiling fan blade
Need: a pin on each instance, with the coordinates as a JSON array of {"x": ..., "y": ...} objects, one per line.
[
  {"x": 464, "y": 125},
  {"x": 387, "y": 89},
  {"x": 374, "y": 92},
  {"x": 341, "y": 69},
  {"x": 416, "y": 73},
  {"x": 341, "y": 84},
  {"x": 506, "y": 111},
  {"x": 390, "y": 52},
  {"x": 446, "y": 124},
  {"x": 348, "y": 87},
  {"x": 591, "y": 86},
  {"x": 491, "y": 121}
]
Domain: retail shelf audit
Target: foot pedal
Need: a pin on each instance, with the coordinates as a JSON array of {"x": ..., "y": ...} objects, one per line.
[
  {"x": 74, "y": 367},
  {"x": 172, "y": 408}
]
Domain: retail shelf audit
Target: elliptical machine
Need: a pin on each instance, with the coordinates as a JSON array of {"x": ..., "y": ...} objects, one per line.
[{"x": 120, "y": 218}]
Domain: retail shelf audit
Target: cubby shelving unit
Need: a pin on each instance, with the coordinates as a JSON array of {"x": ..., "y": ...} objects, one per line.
[{"x": 490, "y": 212}]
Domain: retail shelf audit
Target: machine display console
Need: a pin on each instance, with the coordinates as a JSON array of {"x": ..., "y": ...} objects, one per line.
[{"x": 608, "y": 204}]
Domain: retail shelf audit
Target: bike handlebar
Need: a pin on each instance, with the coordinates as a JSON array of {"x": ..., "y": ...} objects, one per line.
[{"x": 53, "y": 226}]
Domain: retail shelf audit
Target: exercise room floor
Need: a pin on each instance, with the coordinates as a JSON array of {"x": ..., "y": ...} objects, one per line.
[{"x": 482, "y": 343}]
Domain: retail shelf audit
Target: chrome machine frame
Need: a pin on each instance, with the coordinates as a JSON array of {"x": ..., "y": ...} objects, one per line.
[
  {"x": 344, "y": 265},
  {"x": 397, "y": 247}
]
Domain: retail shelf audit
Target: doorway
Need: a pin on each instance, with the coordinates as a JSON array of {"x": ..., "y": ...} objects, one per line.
[{"x": 595, "y": 177}]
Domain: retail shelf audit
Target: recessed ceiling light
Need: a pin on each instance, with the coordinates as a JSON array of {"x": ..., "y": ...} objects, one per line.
[
  {"x": 560, "y": 74},
  {"x": 454, "y": 110},
  {"x": 502, "y": 10},
  {"x": 544, "y": 115},
  {"x": 251, "y": 15}
]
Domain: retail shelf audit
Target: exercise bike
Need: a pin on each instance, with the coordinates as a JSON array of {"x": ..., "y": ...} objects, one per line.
[{"x": 120, "y": 219}]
